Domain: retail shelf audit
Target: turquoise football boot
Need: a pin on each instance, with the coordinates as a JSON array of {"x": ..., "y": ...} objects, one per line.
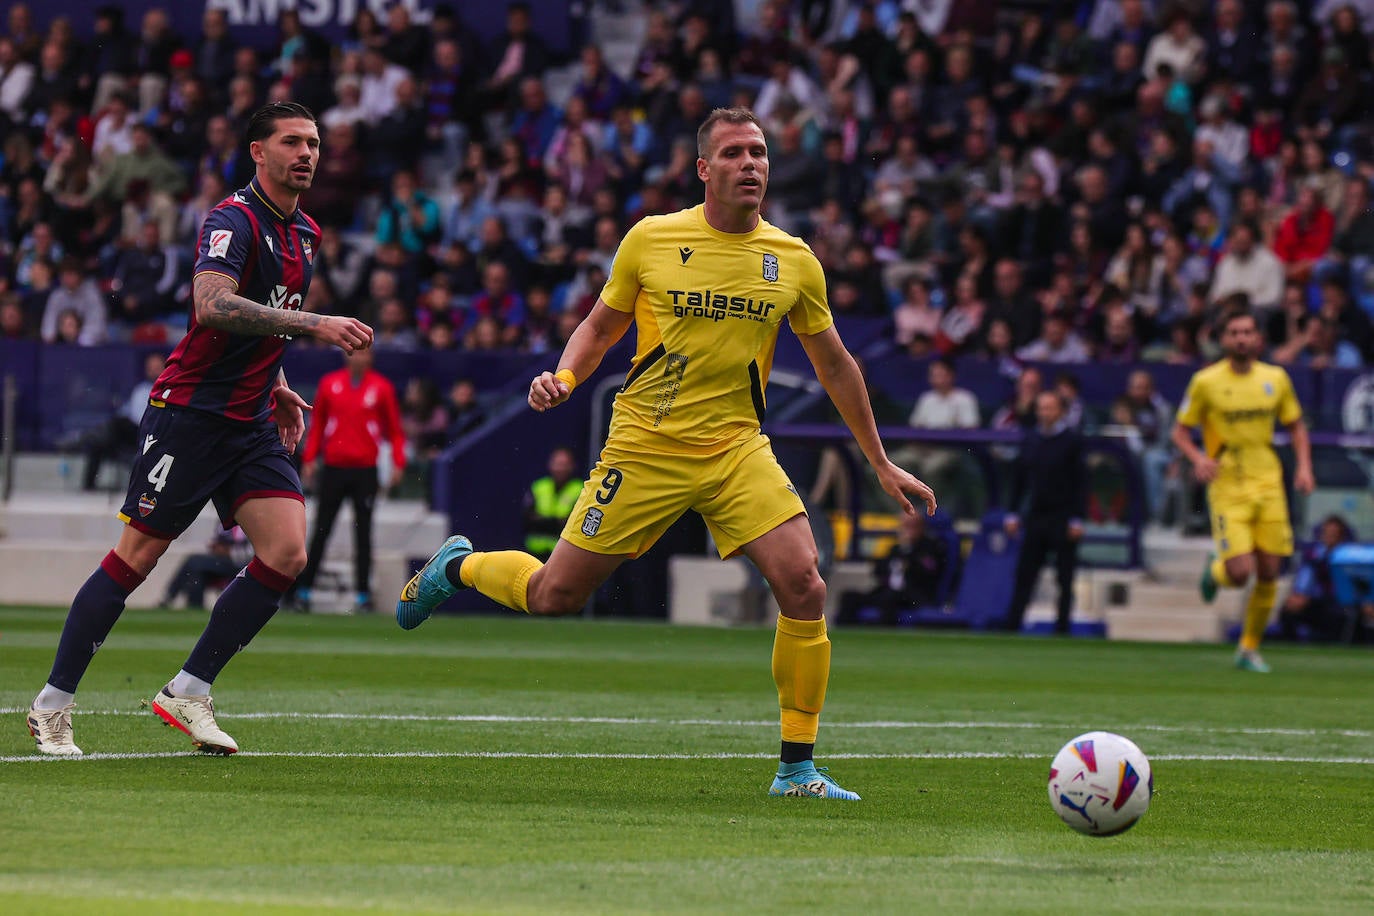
[
  {"x": 430, "y": 587},
  {"x": 807, "y": 780}
]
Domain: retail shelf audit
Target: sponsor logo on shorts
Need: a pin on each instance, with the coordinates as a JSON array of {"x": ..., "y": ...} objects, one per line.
[
  {"x": 591, "y": 524},
  {"x": 146, "y": 504}
]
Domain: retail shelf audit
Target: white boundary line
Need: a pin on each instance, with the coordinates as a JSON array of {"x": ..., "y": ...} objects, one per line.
[
  {"x": 728, "y": 723},
  {"x": 526, "y": 755}
]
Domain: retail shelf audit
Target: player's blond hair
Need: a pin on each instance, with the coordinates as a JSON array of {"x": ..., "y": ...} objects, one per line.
[{"x": 727, "y": 116}]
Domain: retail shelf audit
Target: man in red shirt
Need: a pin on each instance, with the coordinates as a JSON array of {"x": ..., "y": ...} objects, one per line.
[
  {"x": 355, "y": 411},
  {"x": 1304, "y": 235}
]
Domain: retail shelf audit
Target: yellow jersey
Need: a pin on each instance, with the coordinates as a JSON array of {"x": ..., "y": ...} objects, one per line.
[
  {"x": 707, "y": 306},
  {"x": 1237, "y": 413}
]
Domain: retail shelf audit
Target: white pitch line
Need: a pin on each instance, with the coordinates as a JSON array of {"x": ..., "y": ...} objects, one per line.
[
  {"x": 729, "y": 723},
  {"x": 530, "y": 755}
]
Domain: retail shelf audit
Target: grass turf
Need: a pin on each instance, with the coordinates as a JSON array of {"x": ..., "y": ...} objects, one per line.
[{"x": 397, "y": 771}]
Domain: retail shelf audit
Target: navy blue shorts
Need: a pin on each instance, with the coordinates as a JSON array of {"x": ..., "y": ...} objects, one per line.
[{"x": 189, "y": 457}]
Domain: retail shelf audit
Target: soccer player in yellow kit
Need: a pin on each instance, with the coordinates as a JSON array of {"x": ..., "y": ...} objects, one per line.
[
  {"x": 707, "y": 289},
  {"x": 1237, "y": 401}
]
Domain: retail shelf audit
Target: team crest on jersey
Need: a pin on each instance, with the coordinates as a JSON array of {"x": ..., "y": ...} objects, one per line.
[
  {"x": 219, "y": 242},
  {"x": 146, "y": 504},
  {"x": 1269, "y": 389},
  {"x": 307, "y": 251},
  {"x": 770, "y": 268},
  {"x": 591, "y": 524}
]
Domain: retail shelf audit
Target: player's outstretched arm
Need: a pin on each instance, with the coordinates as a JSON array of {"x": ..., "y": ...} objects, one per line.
[
  {"x": 1204, "y": 467},
  {"x": 218, "y": 305},
  {"x": 844, "y": 383},
  {"x": 599, "y": 331},
  {"x": 1304, "y": 481}
]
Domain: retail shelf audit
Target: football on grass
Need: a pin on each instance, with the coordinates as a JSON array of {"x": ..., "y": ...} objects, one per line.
[{"x": 1100, "y": 784}]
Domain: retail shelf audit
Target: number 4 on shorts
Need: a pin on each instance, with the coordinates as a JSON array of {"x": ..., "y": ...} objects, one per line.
[{"x": 158, "y": 475}]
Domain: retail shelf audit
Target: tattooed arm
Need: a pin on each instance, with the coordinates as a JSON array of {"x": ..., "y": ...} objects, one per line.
[{"x": 219, "y": 306}]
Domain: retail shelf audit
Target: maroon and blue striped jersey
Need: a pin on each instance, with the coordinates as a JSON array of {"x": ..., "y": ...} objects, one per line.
[{"x": 271, "y": 257}]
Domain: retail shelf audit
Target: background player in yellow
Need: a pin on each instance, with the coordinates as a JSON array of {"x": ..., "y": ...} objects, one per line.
[
  {"x": 1237, "y": 401},
  {"x": 706, "y": 289}
]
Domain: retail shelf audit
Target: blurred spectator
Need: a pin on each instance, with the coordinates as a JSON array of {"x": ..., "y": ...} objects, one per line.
[
  {"x": 145, "y": 278},
  {"x": 1057, "y": 343},
  {"x": 1119, "y": 345},
  {"x": 943, "y": 406},
  {"x": 962, "y": 323},
  {"x": 396, "y": 140},
  {"x": 394, "y": 330},
  {"x": 214, "y": 53},
  {"x": 118, "y": 436},
  {"x": 915, "y": 316},
  {"x": 424, "y": 420},
  {"x": 144, "y": 176},
  {"x": 1152, "y": 417},
  {"x": 16, "y": 81},
  {"x": 907, "y": 577},
  {"x": 464, "y": 412},
  {"x": 225, "y": 554},
  {"x": 339, "y": 266},
  {"x": 1311, "y": 608},
  {"x": 348, "y": 108},
  {"x": 14, "y": 324},
  {"x": 519, "y": 53},
  {"x": 74, "y": 296},
  {"x": 406, "y": 42},
  {"x": 451, "y": 105},
  {"x": 1318, "y": 346},
  {"x": 1248, "y": 267},
  {"x": 410, "y": 217},
  {"x": 377, "y": 89}
]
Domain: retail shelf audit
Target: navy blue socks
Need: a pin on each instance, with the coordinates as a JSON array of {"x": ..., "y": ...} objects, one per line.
[{"x": 242, "y": 610}]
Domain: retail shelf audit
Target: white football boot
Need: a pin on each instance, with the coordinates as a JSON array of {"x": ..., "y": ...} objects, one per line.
[
  {"x": 52, "y": 730},
  {"x": 196, "y": 717}
]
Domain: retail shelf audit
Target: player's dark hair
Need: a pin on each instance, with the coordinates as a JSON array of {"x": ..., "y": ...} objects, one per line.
[
  {"x": 264, "y": 120},
  {"x": 1229, "y": 316},
  {"x": 719, "y": 115}
]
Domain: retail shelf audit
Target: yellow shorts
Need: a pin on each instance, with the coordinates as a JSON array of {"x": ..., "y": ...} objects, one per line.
[
  {"x": 1248, "y": 520},
  {"x": 632, "y": 497}
]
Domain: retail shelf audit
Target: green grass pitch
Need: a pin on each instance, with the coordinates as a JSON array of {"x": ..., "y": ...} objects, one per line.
[{"x": 506, "y": 765}]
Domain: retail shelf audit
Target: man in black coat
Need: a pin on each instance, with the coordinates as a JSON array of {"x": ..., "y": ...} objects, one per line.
[
  {"x": 908, "y": 577},
  {"x": 1050, "y": 483}
]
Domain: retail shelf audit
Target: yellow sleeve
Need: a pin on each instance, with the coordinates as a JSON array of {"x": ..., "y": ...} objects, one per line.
[
  {"x": 1290, "y": 411},
  {"x": 1194, "y": 406},
  {"x": 811, "y": 314},
  {"x": 622, "y": 286}
]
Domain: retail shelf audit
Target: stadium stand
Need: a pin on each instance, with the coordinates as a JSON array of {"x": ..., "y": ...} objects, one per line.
[{"x": 1083, "y": 185}]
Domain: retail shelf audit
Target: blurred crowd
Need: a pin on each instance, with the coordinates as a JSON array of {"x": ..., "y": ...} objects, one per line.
[{"x": 1062, "y": 182}]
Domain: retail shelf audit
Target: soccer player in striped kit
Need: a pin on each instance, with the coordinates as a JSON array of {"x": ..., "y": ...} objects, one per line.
[{"x": 220, "y": 426}]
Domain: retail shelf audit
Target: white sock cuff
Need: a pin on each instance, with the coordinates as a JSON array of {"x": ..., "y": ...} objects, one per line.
[
  {"x": 188, "y": 685},
  {"x": 52, "y": 698}
]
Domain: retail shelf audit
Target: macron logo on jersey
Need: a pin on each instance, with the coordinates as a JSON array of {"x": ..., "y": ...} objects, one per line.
[
  {"x": 219, "y": 242},
  {"x": 267, "y": 239}
]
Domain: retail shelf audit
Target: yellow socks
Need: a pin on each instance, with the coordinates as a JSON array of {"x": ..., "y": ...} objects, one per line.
[
  {"x": 801, "y": 669},
  {"x": 1257, "y": 611},
  {"x": 501, "y": 575},
  {"x": 1219, "y": 574}
]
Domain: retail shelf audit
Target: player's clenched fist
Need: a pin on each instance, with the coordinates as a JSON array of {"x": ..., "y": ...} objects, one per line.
[
  {"x": 348, "y": 334},
  {"x": 547, "y": 390}
]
